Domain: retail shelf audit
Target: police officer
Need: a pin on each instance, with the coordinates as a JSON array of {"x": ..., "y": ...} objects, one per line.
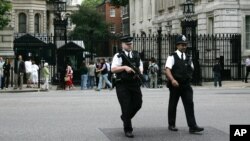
[
  {"x": 179, "y": 69},
  {"x": 127, "y": 86}
]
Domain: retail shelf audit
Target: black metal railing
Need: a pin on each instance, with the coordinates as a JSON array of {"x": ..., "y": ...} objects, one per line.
[{"x": 206, "y": 49}]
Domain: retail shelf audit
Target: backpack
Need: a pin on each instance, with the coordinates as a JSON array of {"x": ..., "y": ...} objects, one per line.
[{"x": 153, "y": 69}]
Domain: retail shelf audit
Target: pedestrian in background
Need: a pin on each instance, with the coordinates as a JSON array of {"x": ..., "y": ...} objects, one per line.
[
  {"x": 97, "y": 74},
  {"x": 217, "y": 73},
  {"x": 127, "y": 86},
  {"x": 69, "y": 77},
  {"x": 108, "y": 64},
  {"x": 247, "y": 62},
  {"x": 1, "y": 73},
  {"x": 6, "y": 72},
  {"x": 179, "y": 71},
  {"x": 104, "y": 75},
  {"x": 19, "y": 70},
  {"x": 145, "y": 73},
  {"x": 34, "y": 73},
  {"x": 45, "y": 74},
  {"x": 91, "y": 75},
  {"x": 28, "y": 70},
  {"x": 153, "y": 71},
  {"x": 84, "y": 75}
]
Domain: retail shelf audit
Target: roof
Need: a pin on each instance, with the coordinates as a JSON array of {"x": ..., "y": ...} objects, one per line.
[{"x": 79, "y": 43}]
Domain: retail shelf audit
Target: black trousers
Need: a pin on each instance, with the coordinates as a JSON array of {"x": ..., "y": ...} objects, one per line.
[
  {"x": 130, "y": 99},
  {"x": 186, "y": 94}
]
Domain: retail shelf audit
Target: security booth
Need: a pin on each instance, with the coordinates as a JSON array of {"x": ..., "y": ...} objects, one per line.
[
  {"x": 37, "y": 48},
  {"x": 72, "y": 53}
]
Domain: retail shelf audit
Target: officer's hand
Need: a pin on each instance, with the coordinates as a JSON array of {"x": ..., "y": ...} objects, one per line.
[
  {"x": 175, "y": 83},
  {"x": 129, "y": 70}
]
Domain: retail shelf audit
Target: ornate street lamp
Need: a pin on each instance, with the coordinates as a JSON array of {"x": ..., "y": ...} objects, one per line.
[
  {"x": 188, "y": 10},
  {"x": 58, "y": 7},
  {"x": 188, "y": 24},
  {"x": 189, "y": 29}
]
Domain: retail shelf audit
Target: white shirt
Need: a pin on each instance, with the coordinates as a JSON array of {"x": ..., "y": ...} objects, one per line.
[
  {"x": 108, "y": 66},
  {"x": 28, "y": 66},
  {"x": 34, "y": 68},
  {"x": 1, "y": 67},
  {"x": 118, "y": 61},
  {"x": 248, "y": 62},
  {"x": 170, "y": 60}
]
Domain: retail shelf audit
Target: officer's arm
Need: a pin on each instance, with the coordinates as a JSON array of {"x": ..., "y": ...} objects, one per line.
[
  {"x": 141, "y": 67},
  {"x": 169, "y": 75},
  {"x": 169, "y": 65},
  {"x": 117, "y": 67},
  {"x": 171, "y": 78}
]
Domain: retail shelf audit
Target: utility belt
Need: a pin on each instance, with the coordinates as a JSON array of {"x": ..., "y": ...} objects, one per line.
[
  {"x": 181, "y": 82},
  {"x": 127, "y": 81}
]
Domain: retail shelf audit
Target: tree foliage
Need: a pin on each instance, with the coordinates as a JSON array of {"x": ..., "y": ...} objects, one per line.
[
  {"x": 5, "y": 6},
  {"x": 92, "y": 3},
  {"x": 119, "y": 2},
  {"x": 88, "y": 23}
]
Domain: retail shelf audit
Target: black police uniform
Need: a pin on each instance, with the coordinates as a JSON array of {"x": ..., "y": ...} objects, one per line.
[
  {"x": 128, "y": 90},
  {"x": 182, "y": 73}
]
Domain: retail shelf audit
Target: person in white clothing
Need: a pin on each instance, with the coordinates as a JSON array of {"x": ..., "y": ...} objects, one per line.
[
  {"x": 247, "y": 68},
  {"x": 1, "y": 72},
  {"x": 28, "y": 71},
  {"x": 34, "y": 73}
]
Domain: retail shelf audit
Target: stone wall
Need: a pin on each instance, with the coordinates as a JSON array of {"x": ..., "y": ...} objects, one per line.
[{"x": 6, "y": 43}]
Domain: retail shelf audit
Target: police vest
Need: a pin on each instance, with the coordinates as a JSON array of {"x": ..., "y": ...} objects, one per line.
[
  {"x": 135, "y": 60},
  {"x": 182, "y": 70},
  {"x": 105, "y": 71}
]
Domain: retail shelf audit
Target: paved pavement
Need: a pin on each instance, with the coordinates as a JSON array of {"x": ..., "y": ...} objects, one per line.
[
  {"x": 225, "y": 84},
  {"x": 88, "y": 115}
]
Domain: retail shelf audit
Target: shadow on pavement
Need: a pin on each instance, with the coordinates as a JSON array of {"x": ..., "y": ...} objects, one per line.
[{"x": 163, "y": 134}]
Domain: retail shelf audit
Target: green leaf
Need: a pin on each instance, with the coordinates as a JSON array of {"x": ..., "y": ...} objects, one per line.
[{"x": 5, "y": 7}]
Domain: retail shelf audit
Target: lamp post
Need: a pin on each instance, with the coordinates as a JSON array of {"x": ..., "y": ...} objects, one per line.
[
  {"x": 189, "y": 29},
  {"x": 58, "y": 7},
  {"x": 159, "y": 45}
]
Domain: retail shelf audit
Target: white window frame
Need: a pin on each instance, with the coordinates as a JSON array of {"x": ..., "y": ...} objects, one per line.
[
  {"x": 37, "y": 23},
  {"x": 112, "y": 28},
  {"x": 112, "y": 12}
]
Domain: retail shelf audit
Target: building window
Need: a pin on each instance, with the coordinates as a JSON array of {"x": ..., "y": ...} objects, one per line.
[
  {"x": 141, "y": 10},
  {"x": 133, "y": 11},
  {"x": 125, "y": 10},
  {"x": 37, "y": 21},
  {"x": 112, "y": 12},
  {"x": 22, "y": 23},
  {"x": 247, "y": 32},
  {"x": 150, "y": 10},
  {"x": 160, "y": 5},
  {"x": 112, "y": 28},
  {"x": 211, "y": 25}
]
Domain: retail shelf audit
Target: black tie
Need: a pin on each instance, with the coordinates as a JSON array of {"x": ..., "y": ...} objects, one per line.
[
  {"x": 129, "y": 55},
  {"x": 182, "y": 56}
]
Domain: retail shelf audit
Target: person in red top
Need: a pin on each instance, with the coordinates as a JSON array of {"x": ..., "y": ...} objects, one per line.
[{"x": 69, "y": 77}]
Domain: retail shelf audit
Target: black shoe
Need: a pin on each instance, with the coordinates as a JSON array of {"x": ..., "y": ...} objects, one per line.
[
  {"x": 129, "y": 134},
  {"x": 195, "y": 129},
  {"x": 172, "y": 128}
]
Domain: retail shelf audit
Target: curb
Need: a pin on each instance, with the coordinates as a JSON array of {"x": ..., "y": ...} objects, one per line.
[{"x": 22, "y": 91}]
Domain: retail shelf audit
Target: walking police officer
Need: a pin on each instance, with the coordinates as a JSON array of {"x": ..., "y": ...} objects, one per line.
[
  {"x": 127, "y": 86},
  {"x": 179, "y": 69}
]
